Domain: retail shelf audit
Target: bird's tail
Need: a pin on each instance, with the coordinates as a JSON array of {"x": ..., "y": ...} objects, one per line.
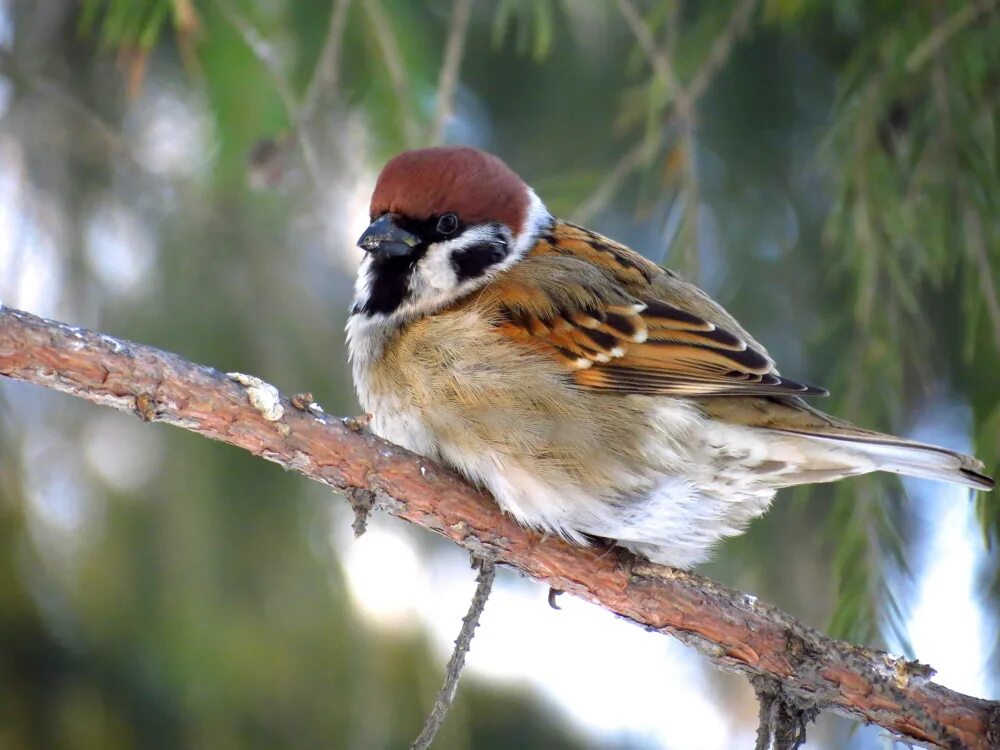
[{"x": 899, "y": 456}]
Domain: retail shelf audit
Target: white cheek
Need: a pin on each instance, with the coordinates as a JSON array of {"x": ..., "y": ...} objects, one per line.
[
  {"x": 362, "y": 284},
  {"x": 435, "y": 283},
  {"x": 434, "y": 273},
  {"x": 538, "y": 218}
]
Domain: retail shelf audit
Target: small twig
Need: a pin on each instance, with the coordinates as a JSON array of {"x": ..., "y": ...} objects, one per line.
[
  {"x": 484, "y": 584},
  {"x": 722, "y": 47},
  {"x": 452, "y": 62},
  {"x": 944, "y": 33},
  {"x": 267, "y": 57},
  {"x": 633, "y": 159},
  {"x": 674, "y": 16},
  {"x": 388, "y": 45},
  {"x": 110, "y": 137},
  {"x": 362, "y": 502},
  {"x": 764, "y": 701},
  {"x": 782, "y": 722},
  {"x": 326, "y": 74},
  {"x": 658, "y": 60},
  {"x": 977, "y": 249},
  {"x": 692, "y": 198}
]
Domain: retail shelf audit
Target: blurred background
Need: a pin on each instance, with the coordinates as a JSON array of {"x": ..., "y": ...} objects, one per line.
[{"x": 192, "y": 174}]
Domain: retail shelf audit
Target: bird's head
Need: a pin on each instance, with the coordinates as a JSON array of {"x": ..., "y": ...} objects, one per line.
[{"x": 444, "y": 221}]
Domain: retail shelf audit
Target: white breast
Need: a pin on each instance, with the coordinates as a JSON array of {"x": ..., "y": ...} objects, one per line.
[{"x": 392, "y": 418}]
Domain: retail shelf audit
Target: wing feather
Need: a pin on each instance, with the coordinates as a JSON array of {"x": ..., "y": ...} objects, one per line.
[{"x": 600, "y": 310}]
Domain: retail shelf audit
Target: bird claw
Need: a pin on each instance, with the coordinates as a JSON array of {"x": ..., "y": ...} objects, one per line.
[{"x": 553, "y": 593}]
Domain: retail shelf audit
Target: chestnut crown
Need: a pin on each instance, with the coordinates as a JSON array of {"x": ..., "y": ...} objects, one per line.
[{"x": 472, "y": 184}]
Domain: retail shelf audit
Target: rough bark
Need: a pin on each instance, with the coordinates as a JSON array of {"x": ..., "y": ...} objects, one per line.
[{"x": 730, "y": 628}]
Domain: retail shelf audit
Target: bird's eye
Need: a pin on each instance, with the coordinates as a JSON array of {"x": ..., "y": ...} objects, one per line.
[{"x": 447, "y": 224}]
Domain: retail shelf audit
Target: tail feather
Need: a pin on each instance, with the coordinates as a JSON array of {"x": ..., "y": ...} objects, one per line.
[{"x": 908, "y": 457}]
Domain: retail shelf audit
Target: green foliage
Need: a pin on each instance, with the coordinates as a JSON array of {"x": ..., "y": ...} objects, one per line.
[
  {"x": 870, "y": 568},
  {"x": 124, "y": 23},
  {"x": 915, "y": 213},
  {"x": 530, "y": 22}
]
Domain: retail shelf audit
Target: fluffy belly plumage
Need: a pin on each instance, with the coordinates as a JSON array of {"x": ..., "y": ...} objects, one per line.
[{"x": 669, "y": 496}]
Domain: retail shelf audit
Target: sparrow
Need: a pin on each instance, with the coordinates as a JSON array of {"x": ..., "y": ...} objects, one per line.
[{"x": 592, "y": 392}]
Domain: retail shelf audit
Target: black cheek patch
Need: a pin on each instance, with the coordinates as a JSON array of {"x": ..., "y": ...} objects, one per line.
[{"x": 473, "y": 262}]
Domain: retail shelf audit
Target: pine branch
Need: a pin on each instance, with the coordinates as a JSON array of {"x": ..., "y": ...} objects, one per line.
[{"x": 732, "y": 629}]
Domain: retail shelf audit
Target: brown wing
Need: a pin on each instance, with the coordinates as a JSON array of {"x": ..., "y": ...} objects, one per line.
[{"x": 595, "y": 306}]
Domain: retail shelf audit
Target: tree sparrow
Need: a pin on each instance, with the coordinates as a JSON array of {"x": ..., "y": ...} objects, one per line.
[{"x": 593, "y": 393}]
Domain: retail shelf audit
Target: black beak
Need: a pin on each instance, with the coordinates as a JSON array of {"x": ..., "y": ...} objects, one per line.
[{"x": 384, "y": 239}]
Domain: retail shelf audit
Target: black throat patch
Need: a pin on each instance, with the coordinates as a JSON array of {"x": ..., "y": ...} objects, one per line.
[{"x": 389, "y": 283}]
